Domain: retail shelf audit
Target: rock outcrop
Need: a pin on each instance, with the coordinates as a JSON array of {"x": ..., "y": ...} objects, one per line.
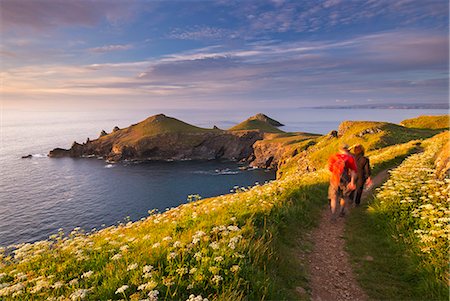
[{"x": 164, "y": 138}]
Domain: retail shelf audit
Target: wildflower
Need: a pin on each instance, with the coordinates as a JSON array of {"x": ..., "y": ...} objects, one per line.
[
  {"x": 192, "y": 270},
  {"x": 218, "y": 258},
  {"x": 73, "y": 281},
  {"x": 121, "y": 289},
  {"x": 116, "y": 257},
  {"x": 233, "y": 228},
  {"x": 235, "y": 268},
  {"x": 124, "y": 248},
  {"x": 132, "y": 267},
  {"x": 216, "y": 279},
  {"x": 147, "y": 268},
  {"x": 182, "y": 271},
  {"x": 147, "y": 275},
  {"x": 79, "y": 294},
  {"x": 167, "y": 238},
  {"x": 171, "y": 255},
  {"x": 57, "y": 284},
  {"x": 153, "y": 295},
  {"x": 214, "y": 245},
  {"x": 192, "y": 297},
  {"x": 168, "y": 281},
  {"x": 198, "y": 256},
  {"x": 87, "y": 274},
  {"x": 147, "y": 286},
  {"x": 156, "y": 245}
]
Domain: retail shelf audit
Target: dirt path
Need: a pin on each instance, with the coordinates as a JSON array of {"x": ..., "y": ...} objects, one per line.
[{"x": 330, "y": 270}]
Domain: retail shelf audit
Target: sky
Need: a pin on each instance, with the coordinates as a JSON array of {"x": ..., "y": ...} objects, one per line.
[{"x": 224, "y": 54}]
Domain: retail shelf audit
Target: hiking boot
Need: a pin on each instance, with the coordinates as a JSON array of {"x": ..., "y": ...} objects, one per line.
[{"x": 342, "y": 214}]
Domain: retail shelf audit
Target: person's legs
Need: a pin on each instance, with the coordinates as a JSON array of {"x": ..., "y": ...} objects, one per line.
[
  {"x": 333, "y": 196},
  {"x": 358, "y": 194}
]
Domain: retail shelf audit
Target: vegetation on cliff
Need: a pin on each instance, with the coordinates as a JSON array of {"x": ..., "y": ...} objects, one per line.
[
  {"x": 374, "y": 136},
  {"x": 428, "y": 122},
  {"x": 259, "y": 122},
  {"x": 165, "y": 138}
]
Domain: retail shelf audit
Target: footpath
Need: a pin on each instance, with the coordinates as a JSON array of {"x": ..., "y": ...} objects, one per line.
[{"x": 331, "y": 275}]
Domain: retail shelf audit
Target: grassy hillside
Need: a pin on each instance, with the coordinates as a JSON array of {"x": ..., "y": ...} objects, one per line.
[
  {"x": 255, "y": 124},
  {"x": 259, "y": 122},
  {"x": 154, "y": 125},
  {"x": 267, "y": 119},
  {"x": 372, "y": 135},
  {"x": 231, "y": 247},
  {"x": 405, "y": 231},
  {"x": 428, "y": 122}
]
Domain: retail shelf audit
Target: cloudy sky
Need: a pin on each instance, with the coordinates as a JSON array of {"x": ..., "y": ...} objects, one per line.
[{"x": 221, "y": 54}]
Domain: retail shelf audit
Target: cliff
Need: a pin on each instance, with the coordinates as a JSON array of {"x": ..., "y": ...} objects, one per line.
[{"x": 165, "y": 138}]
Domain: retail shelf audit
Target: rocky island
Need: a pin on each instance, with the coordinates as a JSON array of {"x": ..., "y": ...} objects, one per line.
[{"x": 160, "y": 137}]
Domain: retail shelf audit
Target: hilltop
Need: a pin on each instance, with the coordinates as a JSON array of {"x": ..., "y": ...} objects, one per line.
[
  {"x": 160, "y": 137},
  {"x": 427, "y": 122},
  {"x": 259, "y": 122}
]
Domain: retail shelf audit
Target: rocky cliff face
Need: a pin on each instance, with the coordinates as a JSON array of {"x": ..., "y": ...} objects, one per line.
[
  {"x": 267, "y": 154},
  {"x": 164, "y": 138},
  {"x": 169, "y": 146}
]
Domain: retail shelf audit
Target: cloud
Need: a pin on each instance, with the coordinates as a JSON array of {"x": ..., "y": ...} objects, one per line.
[
  {"x": 201, "y": 33},
  {"x": 109, "y": 48},
  {"x": 47, "y": 14},
  {"x": 399, "y": 65},
  {"x": 314, "y": 16}
]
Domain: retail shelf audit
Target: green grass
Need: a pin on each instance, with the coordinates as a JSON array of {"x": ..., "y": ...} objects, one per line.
[
  {"x": 255, "y": 124},
  {"x": 239, "y": 246},
  {"x": 152, "y": 126},
  {"x": 393, "y": 274},
  {"x": 428, "y": 122},
  {"x": 389, "y": 229},
  {"x": 376, "y": 137}
]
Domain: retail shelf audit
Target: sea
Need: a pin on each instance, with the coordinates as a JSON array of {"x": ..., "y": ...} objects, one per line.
[{"x": 40, "y": 195}]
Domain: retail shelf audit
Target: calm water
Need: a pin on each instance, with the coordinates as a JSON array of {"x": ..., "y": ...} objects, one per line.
[{"x": 40, "y": 195}]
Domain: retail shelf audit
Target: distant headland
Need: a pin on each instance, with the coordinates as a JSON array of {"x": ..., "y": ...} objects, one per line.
[
  {"x": 389, "y": 106},
  {"x": 161, "y": 137}
]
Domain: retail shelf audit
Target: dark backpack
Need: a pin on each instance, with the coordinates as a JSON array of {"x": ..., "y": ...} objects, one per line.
[{"x": 344, "y": 177}]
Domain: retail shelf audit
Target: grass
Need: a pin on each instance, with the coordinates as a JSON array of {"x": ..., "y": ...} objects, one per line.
[
  {"x": 152, "y": 126},
  {"x": 255, "y": 124},
  {"x": 232, "y": 247},
  {"x": 392, "y": 275},
  {"x": 428, "y": 122},
  {"x": 403, "y": 230},
  {"x": 378, "y": 138}
]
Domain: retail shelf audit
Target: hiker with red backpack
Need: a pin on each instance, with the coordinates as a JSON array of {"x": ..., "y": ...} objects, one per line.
[{"x": 342, "y": 182}]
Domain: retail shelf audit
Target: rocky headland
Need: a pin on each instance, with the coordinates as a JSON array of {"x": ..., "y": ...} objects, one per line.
[
  {"x": 161, "y": 137},
  {"x": 258, "y": 141}
]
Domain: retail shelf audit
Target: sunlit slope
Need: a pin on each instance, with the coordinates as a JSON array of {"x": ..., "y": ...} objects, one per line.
[
  {"x": 152, "y": 126},
  {"x": 372, "y": 135},
  {"x": 222, "y": 248},
  {"x": 428, "y": 122},
  {"x": 259, "y": 122}
]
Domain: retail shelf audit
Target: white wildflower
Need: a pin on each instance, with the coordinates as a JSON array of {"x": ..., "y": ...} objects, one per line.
[{"x": 121, "y": 289}]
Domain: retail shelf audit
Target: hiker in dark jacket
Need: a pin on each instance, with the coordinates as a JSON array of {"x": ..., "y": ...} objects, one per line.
[{"x": 363, "y": 173}]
